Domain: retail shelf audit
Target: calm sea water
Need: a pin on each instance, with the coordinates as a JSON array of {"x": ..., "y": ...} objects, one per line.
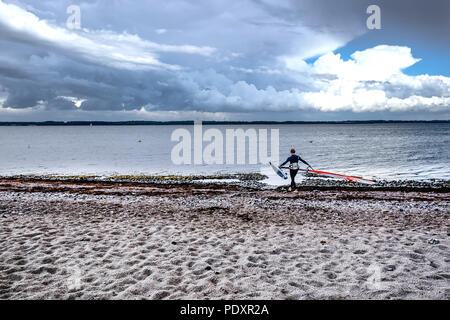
[{"x": 388, "y": 151}]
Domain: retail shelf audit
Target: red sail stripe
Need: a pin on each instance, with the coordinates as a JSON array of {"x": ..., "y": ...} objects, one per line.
[{"x": 337, "y": 174}]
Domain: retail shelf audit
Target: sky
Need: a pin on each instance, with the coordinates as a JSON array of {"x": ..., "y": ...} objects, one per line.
[{"x": 224, "y": 60}]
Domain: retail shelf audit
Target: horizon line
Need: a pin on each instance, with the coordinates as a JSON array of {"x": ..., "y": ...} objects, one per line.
[{"x": 206, "y": 122}]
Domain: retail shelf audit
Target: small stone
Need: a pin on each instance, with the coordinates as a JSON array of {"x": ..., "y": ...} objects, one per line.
[
  {"x": 323, "y": 241},
  {"x": 174, "y": 243},
  {"x": 331, "y": 275},
  {"x": 208, "y": 268},
  {"x": 389, "y": 268}
]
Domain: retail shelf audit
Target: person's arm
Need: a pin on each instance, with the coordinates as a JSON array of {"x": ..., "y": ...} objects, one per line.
[
  {"x": 284, "y": 162},
  {"x": 299, "y": 158}
]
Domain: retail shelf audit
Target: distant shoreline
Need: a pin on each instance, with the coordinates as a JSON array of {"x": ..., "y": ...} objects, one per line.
[{"x": 191, "y": 122}]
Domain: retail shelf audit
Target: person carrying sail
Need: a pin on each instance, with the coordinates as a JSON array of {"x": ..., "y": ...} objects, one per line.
[{"x": 293, "y": 159}]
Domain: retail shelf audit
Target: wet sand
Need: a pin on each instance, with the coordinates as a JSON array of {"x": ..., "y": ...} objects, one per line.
[{"x": 65, "y": 240}]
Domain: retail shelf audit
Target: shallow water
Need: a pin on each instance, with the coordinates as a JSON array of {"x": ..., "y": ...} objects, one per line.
[{"x": 418, "y": 151}]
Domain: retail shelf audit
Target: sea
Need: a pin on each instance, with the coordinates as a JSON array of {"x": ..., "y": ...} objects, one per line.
[{"x": 388, "y": 151}]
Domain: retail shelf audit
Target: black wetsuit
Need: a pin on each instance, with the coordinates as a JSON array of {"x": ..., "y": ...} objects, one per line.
[{"x": 294, "y": 159}]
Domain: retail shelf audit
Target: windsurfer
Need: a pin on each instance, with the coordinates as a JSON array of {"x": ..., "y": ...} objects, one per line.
[{"x": 293, "y": 159}]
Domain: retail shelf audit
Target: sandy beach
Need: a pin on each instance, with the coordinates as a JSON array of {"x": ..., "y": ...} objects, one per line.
[{"x": 65, "y": 240}]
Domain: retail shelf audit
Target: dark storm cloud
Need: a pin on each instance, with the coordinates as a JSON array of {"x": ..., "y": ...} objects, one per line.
[
  {"x": 60, "y": 104},
  {"x": 429, "y": 20},
  {"x": 11, "y": 71},
  {"x": 205, "y": 56}
]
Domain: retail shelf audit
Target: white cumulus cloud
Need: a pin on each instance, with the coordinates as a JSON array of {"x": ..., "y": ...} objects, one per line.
[
  {"x": 373, "y": 80},
  {"x": 101, "y": 47}
]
